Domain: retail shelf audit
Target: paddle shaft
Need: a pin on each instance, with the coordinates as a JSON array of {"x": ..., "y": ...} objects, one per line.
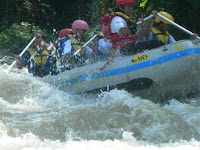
[
  {"x": 145, "y": 19},
  {"x": 86, "y": 44},
  {"x": 20, "y": 55},
  {"x": 177, "y": 26}
]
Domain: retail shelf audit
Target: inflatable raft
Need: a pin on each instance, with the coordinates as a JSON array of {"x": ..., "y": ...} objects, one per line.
[{"x": 173, "y": 68}]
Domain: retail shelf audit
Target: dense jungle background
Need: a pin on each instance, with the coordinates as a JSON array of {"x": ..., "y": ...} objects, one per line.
[{"x": 20, "y": 18}]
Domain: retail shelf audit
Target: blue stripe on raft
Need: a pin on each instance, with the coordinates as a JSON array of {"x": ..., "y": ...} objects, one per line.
[{"x": 133, "y": 67}]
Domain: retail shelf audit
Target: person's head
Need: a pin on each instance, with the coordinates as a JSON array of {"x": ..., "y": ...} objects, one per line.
[
  {"x": 162, "y": 24},
  {"x": 39, "y": 41},
  {"x": 64, "y": 32},
  {"x": 105, "y": 30},
  {"x": 39, "y": 38},
  {"x": 79, "y": 27},
  {"x": 105, "y": 25},
  {"x": 125, "y": 6}
]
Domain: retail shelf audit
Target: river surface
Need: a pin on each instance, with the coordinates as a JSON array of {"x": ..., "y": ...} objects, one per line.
[{"x": 37, "y": 116}]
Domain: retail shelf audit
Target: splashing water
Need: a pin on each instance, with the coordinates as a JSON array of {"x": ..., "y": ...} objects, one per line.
[{"x": 36, "y": 115}]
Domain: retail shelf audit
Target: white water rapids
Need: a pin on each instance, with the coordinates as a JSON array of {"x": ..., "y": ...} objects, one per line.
[{"x": 36, "y": 116}]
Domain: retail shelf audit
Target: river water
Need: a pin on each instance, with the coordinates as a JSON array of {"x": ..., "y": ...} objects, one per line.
[{"x": 37, "y": 116}]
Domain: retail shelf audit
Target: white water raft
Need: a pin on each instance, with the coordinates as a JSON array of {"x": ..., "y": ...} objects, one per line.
[{"x": 174, "y": 67}]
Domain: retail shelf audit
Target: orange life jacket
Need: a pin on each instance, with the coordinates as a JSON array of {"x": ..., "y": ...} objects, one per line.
[{"x": 117, "y": 40}]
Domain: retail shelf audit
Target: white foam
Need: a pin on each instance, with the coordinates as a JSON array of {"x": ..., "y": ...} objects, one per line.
[
  {"x": 31, "y": 142},
  {"x": 112, "y": 120}
]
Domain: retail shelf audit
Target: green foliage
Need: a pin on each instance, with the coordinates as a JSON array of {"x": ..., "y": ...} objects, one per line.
[
  {"x": 142, "y": 4},
  {"x": 106, "y": 6},
  {"x": 94, "y": 8},
  {"x": 17, "y": 36},
  {"x": 49, "y": 14},
  {"x": 17, "y": 11},
  {"x": 195, "y": 4}
]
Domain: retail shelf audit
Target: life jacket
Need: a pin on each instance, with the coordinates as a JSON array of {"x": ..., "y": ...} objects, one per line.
[
  {"x": 116, "y": 39},
  {"x": 76, "y": 44},
  {"x": 158, "y": 35},
  {"x": 119, "y": 41},
  {"x": 40, "y": 59}
]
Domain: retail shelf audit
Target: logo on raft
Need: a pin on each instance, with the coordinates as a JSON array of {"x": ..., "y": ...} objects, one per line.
[{"x": 140, "y": 58}]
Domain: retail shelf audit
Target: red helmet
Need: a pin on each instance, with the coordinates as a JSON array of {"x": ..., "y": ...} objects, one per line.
[
  {"x": 79, "y": 24},
  {"x": 123, "y": 2},
  {"x": 64, "y": 32}
]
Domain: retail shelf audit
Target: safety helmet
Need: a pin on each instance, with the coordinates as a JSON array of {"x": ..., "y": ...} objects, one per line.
[
  {"x": 64, "y": 32},
  {"x": 79, "y": 24},
  {"x": 124, "y": 2},
  {"x": 165, "y": 14}
]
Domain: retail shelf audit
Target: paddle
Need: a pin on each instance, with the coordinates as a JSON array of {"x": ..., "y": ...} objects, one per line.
[
  {"x": 177, "y": 26},
  {"x": 20, "y": 55},
  {"x": 145, "y": 19},
  {"x": 85, "y": 44}
]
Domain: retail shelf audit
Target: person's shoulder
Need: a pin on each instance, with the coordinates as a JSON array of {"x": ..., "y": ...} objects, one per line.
[
  {"x": 117, "y": 18},
  {"x": 150, "y": 34},
  {"x": 172, "y": 39},
  {"x": 116, "y": 21},
  {"x": 61, "y": 40},
  {"x": 101, "y": 40}
]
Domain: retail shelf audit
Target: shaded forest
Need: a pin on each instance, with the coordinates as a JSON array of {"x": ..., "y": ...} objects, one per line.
[{"x": 20, "y": 18}]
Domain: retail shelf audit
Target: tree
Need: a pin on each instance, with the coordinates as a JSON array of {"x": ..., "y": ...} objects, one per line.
[{"x": 17, "y": 11}]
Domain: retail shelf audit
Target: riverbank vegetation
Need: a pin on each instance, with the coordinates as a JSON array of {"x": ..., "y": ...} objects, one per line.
[{"x": 19, "y": 19}]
